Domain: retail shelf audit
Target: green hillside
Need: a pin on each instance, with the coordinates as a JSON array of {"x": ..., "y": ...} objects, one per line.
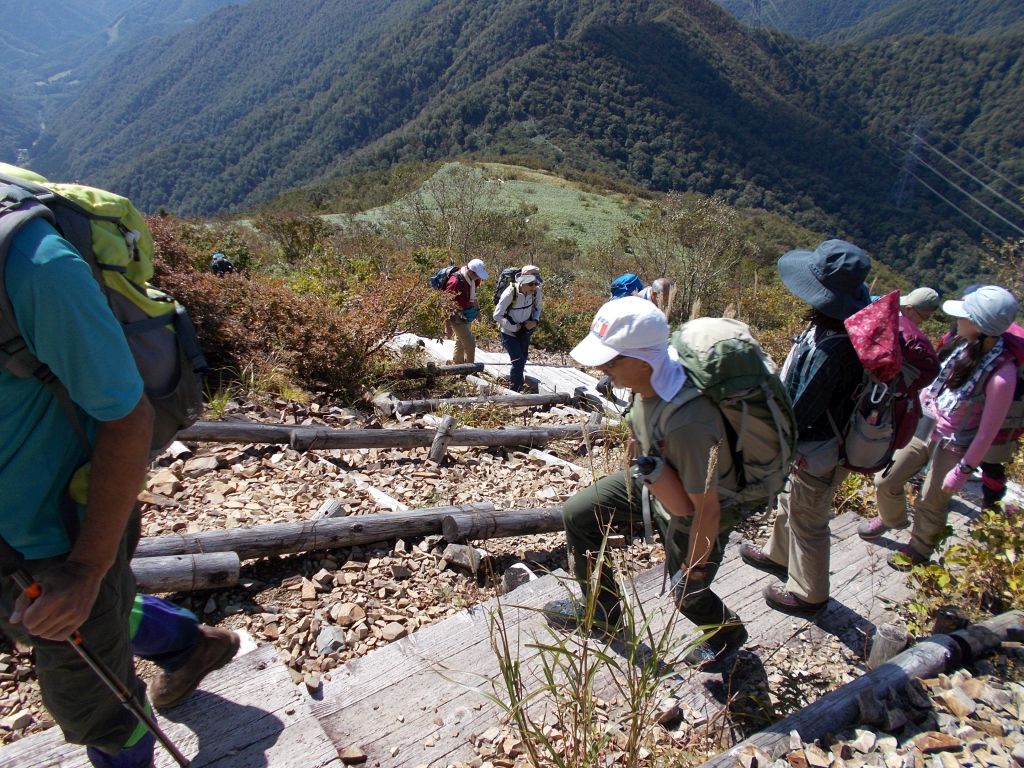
[{"x": 562, "y": 209}]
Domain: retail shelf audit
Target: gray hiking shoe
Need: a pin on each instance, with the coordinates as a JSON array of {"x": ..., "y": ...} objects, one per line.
[
  {"x": 869, "y": 530},
  {"x": 716, "y": 653},
  {"x": 569, "y": 615}
]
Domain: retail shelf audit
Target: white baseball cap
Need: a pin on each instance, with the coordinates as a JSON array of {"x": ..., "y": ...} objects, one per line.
[
  {"x": 476, "y": 266},
  {"x": 619, "y": 326}
]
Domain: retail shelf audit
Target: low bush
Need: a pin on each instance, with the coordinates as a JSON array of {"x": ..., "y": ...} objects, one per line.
[
  {"x": 325, "y": 331},
  {"x": 983, "y": 575}
]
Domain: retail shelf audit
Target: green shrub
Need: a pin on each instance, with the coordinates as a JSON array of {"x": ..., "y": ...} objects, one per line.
[{"x": 984, "y": 575}]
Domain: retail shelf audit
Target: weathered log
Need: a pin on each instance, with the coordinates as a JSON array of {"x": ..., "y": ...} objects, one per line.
[
  {"x": 186, "y": 573},
  {"x": 487, "y": 388},
  {"x": 431, "y": 370},
  {"x": 404, "y": 407},
  {"x": 835, "y": 710},
  {"x": 308, "y": 438},
  {"x": 439, "y": 447},
  {"x": 550, "y": 458},
  {"x": 458, "y": 527},
  {"x": 287, "y": 538}
]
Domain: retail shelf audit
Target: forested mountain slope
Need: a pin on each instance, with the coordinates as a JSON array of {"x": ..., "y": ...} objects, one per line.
[
  {"x": 271, "y": 96},
  {"x": 48, "y": 48},
  {"x": 947, "y": 17},
  {"x": 805, "y": 18}
]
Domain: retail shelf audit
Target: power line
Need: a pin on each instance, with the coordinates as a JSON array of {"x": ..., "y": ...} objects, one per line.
[
  {"x": 953, "y": 205},
  {"x": 972, "y": 176},
  {"x": 971, "y": 196}
]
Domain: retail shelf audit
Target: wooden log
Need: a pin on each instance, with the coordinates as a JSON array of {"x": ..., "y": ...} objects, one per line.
[
  {"x": 404, "y": 407},
  {"x": 832, "y": 712},
  {"x": 309, "y": 438},
  {"x": 186, "y": 573},
  {"x": 288, "y": 538},
  {"x": 485, "y": 387},
  {"x": 889, "y": 640},
  {"x": 459, "y": 527},
  {"x": 431, "y": 370},
  {"x": 550, "y": 458},
  {"x": 439, "y": 447}
]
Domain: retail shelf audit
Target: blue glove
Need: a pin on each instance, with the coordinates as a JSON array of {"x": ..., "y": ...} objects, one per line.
[{"x": 469, "y": 314}]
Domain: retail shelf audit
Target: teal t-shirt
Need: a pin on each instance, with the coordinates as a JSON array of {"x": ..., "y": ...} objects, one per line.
[{"x": 66, "y": 322}]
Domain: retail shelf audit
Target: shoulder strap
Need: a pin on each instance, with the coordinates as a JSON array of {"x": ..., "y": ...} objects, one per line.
[{"x": 19, "y": 206}]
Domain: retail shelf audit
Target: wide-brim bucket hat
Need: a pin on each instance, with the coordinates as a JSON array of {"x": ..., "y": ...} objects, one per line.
[{"x": 830, "y": 278}]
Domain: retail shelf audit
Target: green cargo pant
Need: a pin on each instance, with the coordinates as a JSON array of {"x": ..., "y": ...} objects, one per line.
[
  {"x": 85, "y": 709},
  {"x": 615, "y": 499}
]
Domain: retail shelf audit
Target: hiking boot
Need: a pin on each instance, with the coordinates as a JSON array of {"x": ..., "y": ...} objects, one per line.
[
  {"x": 216, "y": 648},
  {"x": 755, "y": 556},
  {"x": 869, "y": 530},
  {"x": 905, "y": 558},
  {"x": 781, "y": 599},
  {"x": 568, "y": 615},
  {"x": 715, "y": 654}
]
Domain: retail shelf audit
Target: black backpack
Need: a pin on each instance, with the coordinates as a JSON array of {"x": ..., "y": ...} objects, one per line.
[{"x": 505, "y": 279}]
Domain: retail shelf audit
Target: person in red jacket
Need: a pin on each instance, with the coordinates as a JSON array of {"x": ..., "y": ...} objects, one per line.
[
  {"x": 919, "y": 354},
  {"x": 462, "y": 285}
]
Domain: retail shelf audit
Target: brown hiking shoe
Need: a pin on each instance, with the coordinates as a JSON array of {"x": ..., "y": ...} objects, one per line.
[{"x": 216, "y": 648}]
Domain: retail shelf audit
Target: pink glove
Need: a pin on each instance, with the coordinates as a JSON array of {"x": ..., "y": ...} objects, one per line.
[{"x": 955, "y": 480}]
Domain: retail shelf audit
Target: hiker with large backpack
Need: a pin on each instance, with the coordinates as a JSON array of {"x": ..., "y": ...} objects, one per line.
[
  {"x": 517, "y": 309},
  {"x": 462, "y": 283},
  {"x": 710, "y": 440},
  {"x": 821, "y": 375},
  {"x": 965, "y": 410},
  {"x": 76, "y": 430}
]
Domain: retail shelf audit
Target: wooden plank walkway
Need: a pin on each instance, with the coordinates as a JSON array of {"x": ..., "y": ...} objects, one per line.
[
  {"x": 549, "y": 378},
  {"x": 422, "y": 701},
  {"x": 247, "y": 715}
]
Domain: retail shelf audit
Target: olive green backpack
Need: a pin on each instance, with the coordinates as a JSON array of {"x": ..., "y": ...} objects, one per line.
[{"x": 725, "y": 363}]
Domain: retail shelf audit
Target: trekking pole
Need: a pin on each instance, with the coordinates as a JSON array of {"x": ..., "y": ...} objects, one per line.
[{"x": 32, "y": 591}]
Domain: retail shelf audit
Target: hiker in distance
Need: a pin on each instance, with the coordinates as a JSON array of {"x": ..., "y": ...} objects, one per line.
[
  {"x": 629, "y": 340},
  {"x": 221, "y": 265},
  {"x": 919, "y": 305},
  {"x": 69, "y": 515},
  {"x": 463, "y": 285},
  {"x": 964, "y": 412},
  {"x": 821, "y": 375},
  {"x": 517, "y": 313},
  {"x": 661, "y": 293}
]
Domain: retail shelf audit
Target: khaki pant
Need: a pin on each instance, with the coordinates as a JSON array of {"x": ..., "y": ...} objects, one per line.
[
  {"x": 932, "y": 506},
  {"x": 800, "y": 539},
  {"x": 465, "y": 343}
]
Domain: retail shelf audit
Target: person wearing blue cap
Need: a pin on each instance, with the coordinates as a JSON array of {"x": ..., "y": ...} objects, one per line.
[
  {"x": 966, "y": 406},
  {"x": 821, "y": 374}
]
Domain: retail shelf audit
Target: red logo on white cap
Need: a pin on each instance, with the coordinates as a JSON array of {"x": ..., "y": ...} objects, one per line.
[{"x": 600, "y": 327}]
